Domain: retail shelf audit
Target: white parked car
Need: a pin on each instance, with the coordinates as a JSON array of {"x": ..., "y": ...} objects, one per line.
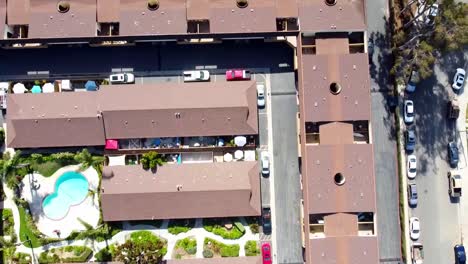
[
  {"x": 261, "y": 95},
  {"x": 265, "y": 163},
  {"x": 122, "y": 78},
  {"x": 412, "y": 167},
  {"x": 459, "y": 79},
  {"x": 196, "y": 76},
  {"x": 415, "y": 228},
  {"x": 409, "y": 111}
]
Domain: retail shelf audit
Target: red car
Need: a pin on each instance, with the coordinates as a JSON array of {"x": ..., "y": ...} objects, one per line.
[
  {"x": 237, "y": 75},
  {"x": 266, "y": 253}
]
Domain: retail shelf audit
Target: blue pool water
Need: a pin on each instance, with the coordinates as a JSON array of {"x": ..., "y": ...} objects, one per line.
[{"x": 71, "y": 188}]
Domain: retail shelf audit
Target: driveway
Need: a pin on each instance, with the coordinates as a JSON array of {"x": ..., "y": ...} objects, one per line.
[
  {"x": 287, "y": 192},
  {"x": 383, "y": 133}
]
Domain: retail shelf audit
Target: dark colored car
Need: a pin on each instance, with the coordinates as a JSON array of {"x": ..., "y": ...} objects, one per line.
[
  {"x": 410, "y": 140},
  {"x": 460, "y": 255},
  {"x": 453, "y": 154},
  {"x": 266, "y": 220},
  {"x": 412, "y": 195},
  {"x": 266, "y": 253}
]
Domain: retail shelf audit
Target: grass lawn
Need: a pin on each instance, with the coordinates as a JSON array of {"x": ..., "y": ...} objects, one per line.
[
  {"x": 47, "y": 168},
  {"x": 25, "y": 231}
]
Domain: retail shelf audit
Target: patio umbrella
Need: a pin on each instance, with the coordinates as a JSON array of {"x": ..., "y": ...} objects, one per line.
[
  {"x": 228, "y": 157},
  {"x": 19, "y": 88},
  {"x": 238, "y": 154},
  {"x": 48, "y": 88},
  {"x": 240, "y": 141},
  {"x": 36, "y": 89},
  {"x": 112, "y": 144},
  {"x": 91, "y": 86}
]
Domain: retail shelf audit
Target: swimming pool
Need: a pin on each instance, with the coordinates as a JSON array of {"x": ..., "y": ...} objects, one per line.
[{"x": 71, "y": 188}]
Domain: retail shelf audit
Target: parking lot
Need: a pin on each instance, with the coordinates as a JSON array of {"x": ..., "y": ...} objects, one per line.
[{"x": 440, "y": 214}]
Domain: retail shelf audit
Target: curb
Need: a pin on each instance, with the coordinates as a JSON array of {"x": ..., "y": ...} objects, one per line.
[{"x": 403, "y": 177}]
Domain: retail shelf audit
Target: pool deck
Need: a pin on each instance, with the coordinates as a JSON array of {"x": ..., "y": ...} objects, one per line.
[{"x": 37, "y": 187}]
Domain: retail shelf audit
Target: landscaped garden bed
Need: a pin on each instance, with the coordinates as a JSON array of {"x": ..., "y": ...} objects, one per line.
[
  {"x": 8, "y": 224},
  {"x": 66, "y": 254},
  {"x": 105, "y": 232},
  {"x": 216, "y": 249},
  {"x": 253, "y": 224},
  {"x": 185, "y": 248},
  {"x": 227, "y": 228},
  {"x": 21, "y": 258},
  {"x": 251, "y": 248},
  {"x": 177, "y": 226}
]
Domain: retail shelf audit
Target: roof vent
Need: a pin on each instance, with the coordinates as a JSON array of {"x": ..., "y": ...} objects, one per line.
[
  {"x": 153, "y": 5},
  {"x": 335, "y": 88},
  {"x": 63, "y": 6},
  {"x": 242, "y": 3},
  {"x": 339, "y": 179},
  {"x": 330, "y": 2}
]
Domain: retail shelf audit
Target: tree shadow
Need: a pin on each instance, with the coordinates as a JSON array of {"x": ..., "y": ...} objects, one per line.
[{"x": 381, "y": 62}]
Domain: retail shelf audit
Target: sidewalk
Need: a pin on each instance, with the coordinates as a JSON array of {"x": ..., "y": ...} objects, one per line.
[{"x": 404, "y": 179}]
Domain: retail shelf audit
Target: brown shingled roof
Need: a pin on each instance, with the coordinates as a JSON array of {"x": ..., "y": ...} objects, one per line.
[
  {"x": 49, "y": 120},
  {"x": 344, "y": 250},
  {"x": 206, "y": 190},
  {"x": 108, "y": 11},
  {"x": 346, "y": 15},
  {"x": 47, "y": 22},
  {"x": 137, "y": 20},
  {"x": 286, "y": 9},
  {"x": 198, "y": 9},
  {"x": 18, "y": 12},
  {"x": 351, "y": 71},
  {"x": 258, "y": 16},
  {"x": 354, "y": 161},
  {"x": 3, "y": 10},
  {"x": 145, "y": 111}
]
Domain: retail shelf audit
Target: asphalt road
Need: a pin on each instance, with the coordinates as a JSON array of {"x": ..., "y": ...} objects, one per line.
[
  {"x": 439, "y": 215},
  {"x": 383, "y": 132},
  {"x": 286, "y": 169}
]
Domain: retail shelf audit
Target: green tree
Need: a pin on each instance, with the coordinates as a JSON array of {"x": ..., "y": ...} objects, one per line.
[
  {"x": 87, "y": 160},
  {"x": 451, "y": 27},
  {"x": 151, "y": 160}
]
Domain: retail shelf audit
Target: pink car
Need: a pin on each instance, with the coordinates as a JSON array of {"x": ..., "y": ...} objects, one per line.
[
  {"x": 266, "y": 253},
  {"x": 237, "y": 75}
]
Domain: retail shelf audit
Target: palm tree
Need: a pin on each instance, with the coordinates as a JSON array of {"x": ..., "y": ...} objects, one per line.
[
  {"x": 151, "y": 160},
  {"x": 91, "y": 194},
  {"x": 87, "y": 160}
]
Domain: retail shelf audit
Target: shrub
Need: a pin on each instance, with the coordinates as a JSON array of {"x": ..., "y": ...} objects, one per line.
[
  {"x": 207, "y": 253},
  {"x": 103, "y": 255},
  {"x": 178, "y": 256},
  {"x": 144, "y": 237},
  {"x": 180, "y": 226},
  {"x": 188, "y": 244},
  {"x": 229, "y": 251},
  {"x": 214, "y": 226},
  {"x": 68, "y": 249},
  {"x": 251, "y": 248},
  {"x": 254, "y": 228},
  {"x": 22, "y": 258}
]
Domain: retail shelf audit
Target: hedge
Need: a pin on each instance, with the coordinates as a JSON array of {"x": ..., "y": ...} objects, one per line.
[{"x": 178, "y": 226}]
